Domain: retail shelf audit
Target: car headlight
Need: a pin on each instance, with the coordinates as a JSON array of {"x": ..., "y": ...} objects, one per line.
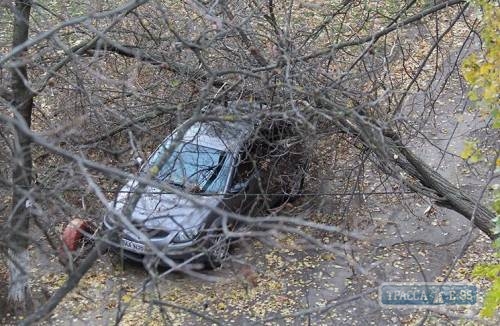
[{"x": 185, "y": 235}]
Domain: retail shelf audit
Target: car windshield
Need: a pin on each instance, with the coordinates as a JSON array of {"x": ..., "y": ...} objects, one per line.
[{"x": 199, "y": 168}]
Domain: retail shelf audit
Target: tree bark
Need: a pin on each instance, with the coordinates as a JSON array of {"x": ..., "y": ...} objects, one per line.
[{"x": 22, "y": 103}]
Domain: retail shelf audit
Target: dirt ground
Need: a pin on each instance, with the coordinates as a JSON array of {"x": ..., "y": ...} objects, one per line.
[{"x": 290, "y": 284}]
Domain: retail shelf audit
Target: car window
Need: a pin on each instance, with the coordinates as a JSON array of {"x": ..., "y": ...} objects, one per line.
[{"x": 199, "y": 168}]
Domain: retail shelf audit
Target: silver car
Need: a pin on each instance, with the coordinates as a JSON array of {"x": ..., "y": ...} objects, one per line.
[{"x": 239, "y": 167}]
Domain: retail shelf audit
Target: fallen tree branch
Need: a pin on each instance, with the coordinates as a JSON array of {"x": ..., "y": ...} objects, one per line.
[
  {"x": 156, "y": 112},
  {"x": 395, "y": 158},
  {"x": 453, "y": 197},
  {"x": 330, "y": 49}
]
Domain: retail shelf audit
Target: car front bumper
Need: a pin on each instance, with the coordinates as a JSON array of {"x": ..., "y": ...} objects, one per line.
[{"x": 129, "y": 246}]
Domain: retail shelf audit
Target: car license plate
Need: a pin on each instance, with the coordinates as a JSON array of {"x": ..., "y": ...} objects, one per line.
[{"x": 133, "y": 246}]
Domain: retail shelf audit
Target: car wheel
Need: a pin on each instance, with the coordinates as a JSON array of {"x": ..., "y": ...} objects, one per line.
[{"x": 217, "y": 246}]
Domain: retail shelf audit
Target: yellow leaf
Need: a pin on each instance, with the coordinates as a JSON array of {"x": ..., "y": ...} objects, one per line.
[
  {"x": 127, "y": 298},
  {"x": 471, "y": 152},
  {"x": 154, "y": 170},
  {"x": 473, "y": 96},
  {"x": 490, "y": 93},
  {"x": 229, "y": 118}
]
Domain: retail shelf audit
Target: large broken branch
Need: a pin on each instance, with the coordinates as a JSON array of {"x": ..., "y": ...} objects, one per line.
[
  {"x": 452, "y": 197},
  {"x": 395, "y": 158},
  {"x": 131, "y": 51}
]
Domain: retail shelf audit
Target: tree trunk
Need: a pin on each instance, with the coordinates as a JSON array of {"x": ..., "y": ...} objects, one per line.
[
  {"x": 22, "y": 102},
  {"x": 394, "y": 158}
]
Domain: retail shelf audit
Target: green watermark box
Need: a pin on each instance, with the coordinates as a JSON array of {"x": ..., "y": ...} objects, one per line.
[{"x": 427, "y": 294}]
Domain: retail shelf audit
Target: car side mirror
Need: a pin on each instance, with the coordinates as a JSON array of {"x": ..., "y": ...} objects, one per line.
[
  {"x": 138, "y": 163},
  {"x": 244, "y": 184},
  {"x": 238, "y": 187}
]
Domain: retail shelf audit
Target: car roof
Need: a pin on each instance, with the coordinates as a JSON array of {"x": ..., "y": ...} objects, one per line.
[
  {"x": 231, "y": 126},
  {"x": 220, "y": 135}
]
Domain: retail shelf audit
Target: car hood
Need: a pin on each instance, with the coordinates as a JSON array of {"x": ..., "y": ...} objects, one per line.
[{"x": 170, "y": 212}]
